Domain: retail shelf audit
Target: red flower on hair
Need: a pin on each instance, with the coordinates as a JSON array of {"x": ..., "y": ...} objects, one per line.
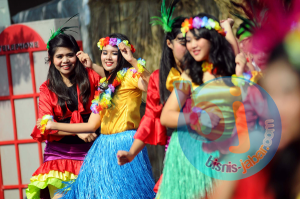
[
  {"x": 132, "y": 49},
  {"x": 190, "y": 23},
  {"x": 106, "y": 41}
]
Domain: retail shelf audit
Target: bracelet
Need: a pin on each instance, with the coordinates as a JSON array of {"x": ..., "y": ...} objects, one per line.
[
  {"x": 44, "y": 121},
  {"x": 195, "y": 115},
  {"x": 141, "y": 64},
  {"x": 252, "y": 76}
]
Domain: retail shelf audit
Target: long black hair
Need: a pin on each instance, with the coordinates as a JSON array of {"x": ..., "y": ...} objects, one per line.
[
  {"x": 122, "y": 63},
  {"x": 167, "y": 60},
  {"x": 79, "y": 74},
  {"x": 221, "y": 54}
]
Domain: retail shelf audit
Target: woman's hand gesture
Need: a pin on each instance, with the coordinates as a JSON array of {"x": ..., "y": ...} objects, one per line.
[
  {"x": 84, "y": 59},
  {"x": 126, "y": 53}
]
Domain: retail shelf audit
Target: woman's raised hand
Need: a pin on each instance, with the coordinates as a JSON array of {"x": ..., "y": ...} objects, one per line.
[
  {"x": 241, "y": 62},
  {"x": 85, "y": 59},
  {"x": 126, "y": 52},
  {"x": 226, "y": 22}
]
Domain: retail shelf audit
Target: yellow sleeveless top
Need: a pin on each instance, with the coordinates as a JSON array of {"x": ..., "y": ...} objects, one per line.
[{"x": 125, "y": 112}]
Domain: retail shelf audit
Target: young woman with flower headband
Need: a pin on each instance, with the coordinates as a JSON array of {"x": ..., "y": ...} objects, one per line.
[
  {"x": 150, "y": 130},
  {"x": 209, "y": 56},
  {"x": 66, "y": 95},
  {"x": 116, "y": 107}
]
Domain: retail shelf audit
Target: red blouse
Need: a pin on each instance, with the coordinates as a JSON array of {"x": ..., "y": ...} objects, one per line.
[
  {"x": 150, "y": 130},
  {"x": 48, "y": 106}
]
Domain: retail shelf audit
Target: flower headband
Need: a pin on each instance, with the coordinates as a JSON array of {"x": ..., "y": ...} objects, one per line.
[
  {"x": 203, "y": 22},
  {"x": 113, "y": 42}
]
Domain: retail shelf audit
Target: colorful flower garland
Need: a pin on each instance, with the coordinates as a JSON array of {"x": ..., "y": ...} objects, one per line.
[
  {"x": 208, "y": 67},
  {"x": 114, "y": 42},
  {"x": 252, "y": 76},
  {"x": 198, "y": 23},
  {"x": 141, "y": 67},
  {"x": 44, "y": 121},
  {"x": 103, "y": 98}
]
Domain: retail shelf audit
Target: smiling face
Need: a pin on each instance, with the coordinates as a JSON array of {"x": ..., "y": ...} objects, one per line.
[
  {"x": 109, "y": 58},
  {"x": 198, "y": 48},
  {"x": 64, "y": 60}
]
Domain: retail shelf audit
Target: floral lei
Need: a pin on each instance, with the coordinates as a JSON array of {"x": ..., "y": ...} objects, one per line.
[
  {"x": 103, "y": 98},
  {"x": 208, "y": 67},
  {"x": 198, "y": 23},
  {"x": 114, "y": 42}
]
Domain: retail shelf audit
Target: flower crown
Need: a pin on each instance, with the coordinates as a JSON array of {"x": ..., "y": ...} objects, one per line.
[
  {"x": 203, "y": 22},
  {"x": 113, "y": 42}
]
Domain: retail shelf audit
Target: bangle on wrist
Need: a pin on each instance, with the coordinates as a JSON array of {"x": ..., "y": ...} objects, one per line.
[
  {"x": 195, "y": 115},
  {"x": 44, "y": 121},
  {"x": 141, "y": 64},
  {"x": 252, "y": 76}
]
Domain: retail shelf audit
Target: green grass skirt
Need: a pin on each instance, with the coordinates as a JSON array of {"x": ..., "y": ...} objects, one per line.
[{"x": 181, "y": 180}]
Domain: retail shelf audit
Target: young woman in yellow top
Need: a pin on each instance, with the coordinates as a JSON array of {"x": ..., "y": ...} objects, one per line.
[{"x": 116, "y": 108}]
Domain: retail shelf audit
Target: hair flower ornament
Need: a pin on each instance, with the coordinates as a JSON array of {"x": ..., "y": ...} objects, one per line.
[
  {"x": 165, "y": 20},
  {"x": 114, "y": 42},
  {"x": 60, "y": 30},
  {"x": 198, "y": 23},
  {"x": 186, "y": 25},
  {"x": 118, "y": 41}
]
